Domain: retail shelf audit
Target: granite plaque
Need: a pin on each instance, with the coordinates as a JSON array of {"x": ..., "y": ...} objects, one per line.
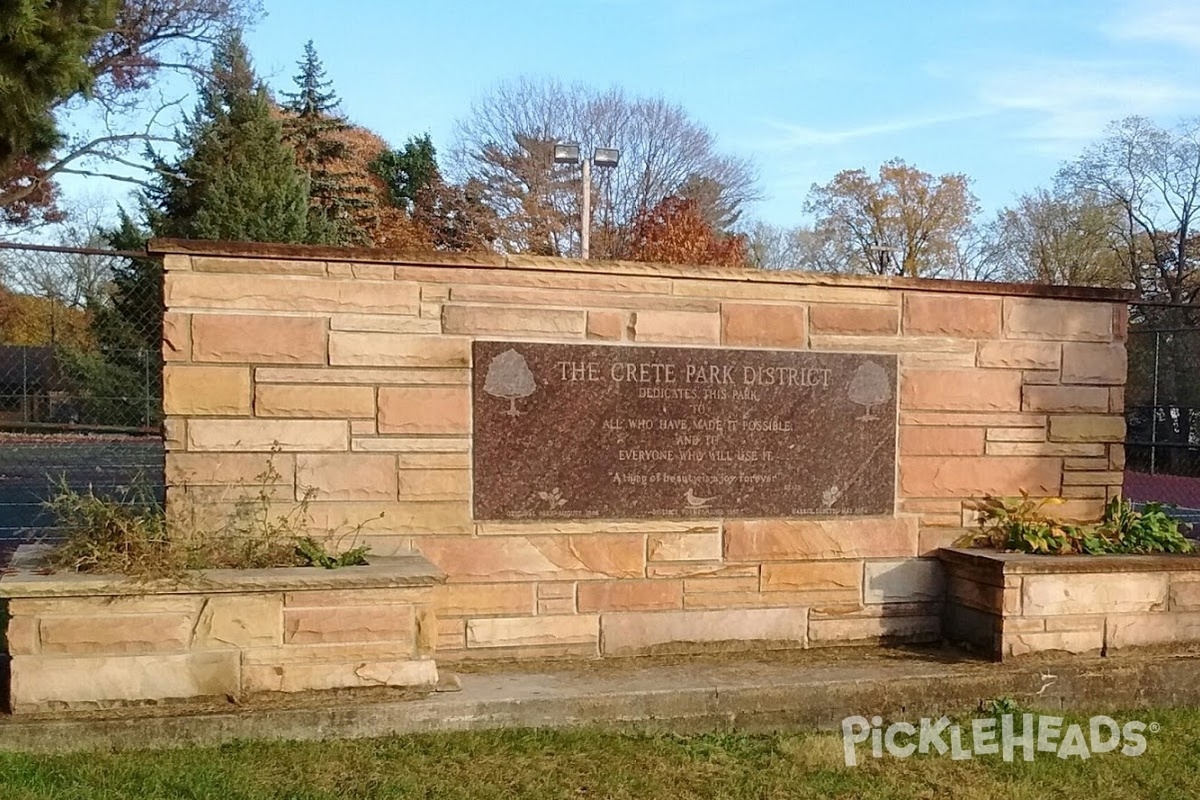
[{"x": 578, "y": 431}]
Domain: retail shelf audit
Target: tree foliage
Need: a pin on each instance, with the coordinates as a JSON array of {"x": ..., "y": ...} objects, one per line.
[
  {"x": 1058, "y": 236},
  {"x": 235, "y": 178},
  {"x": 505, "y": 146},
  {"x": 1150, "y": 178},
  {"x": 451, "y": 217},
  {"x": 108, "y": 54},
  {"x": 312, "y": 125},
  {"x": 905, "y": 222},
  {"x": 675, "y": 231}
]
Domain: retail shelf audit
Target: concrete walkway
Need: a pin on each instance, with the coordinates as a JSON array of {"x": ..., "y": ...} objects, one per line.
[{"x": 807, "y": 690}]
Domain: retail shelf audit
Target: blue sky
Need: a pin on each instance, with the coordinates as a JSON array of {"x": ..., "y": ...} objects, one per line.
[{"x": 1002, "y": 90}]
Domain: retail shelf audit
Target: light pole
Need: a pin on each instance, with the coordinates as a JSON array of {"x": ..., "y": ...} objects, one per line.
[{"x": 603, "y": 157}]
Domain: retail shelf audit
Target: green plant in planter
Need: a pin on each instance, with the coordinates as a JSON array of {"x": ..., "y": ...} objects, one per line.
[{"x": 1024, "y": 526}]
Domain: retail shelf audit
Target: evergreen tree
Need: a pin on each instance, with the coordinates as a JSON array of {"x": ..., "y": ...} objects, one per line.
[
  {"x": 313, "y": 126},
  {"x": 236, "y": 179},
  {"x": 43, "y": 49}
]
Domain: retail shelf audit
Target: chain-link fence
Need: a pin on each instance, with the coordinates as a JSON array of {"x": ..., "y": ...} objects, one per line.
[
  {"x": 1162, "y": 403},
  {"x": 80, "y": 380}
]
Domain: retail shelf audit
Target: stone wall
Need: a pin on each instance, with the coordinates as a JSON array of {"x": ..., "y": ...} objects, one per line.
[
  {"x": 76, "y": 642},
  {"x": 354, "y": 367},
  {"x": 1012, "y": 604}
]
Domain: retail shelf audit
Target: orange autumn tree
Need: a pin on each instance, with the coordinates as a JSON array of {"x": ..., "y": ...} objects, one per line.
[{"x": 675, "y": 231}]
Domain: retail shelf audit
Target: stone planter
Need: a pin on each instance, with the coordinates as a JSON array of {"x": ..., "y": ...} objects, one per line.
[
  {"x": 81, "y": 641},
  {"x": 1012, "y": 604}
]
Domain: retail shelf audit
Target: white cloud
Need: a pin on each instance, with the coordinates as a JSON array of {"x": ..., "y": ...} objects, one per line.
[
  {"x": 797, "y": 136},
  {"x": 1175, "y": 22},
  {"x": 1070, "y": 101}
]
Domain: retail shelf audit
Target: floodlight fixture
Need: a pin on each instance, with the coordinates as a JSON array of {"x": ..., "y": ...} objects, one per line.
[
  {"x": 606, "y": 157},
  {"x": 566, "y": 153}
]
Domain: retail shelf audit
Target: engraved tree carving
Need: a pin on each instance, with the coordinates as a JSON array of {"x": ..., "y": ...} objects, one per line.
[
  {"x": 869, "y": 387},
  {"x": 508, "y": 377}
]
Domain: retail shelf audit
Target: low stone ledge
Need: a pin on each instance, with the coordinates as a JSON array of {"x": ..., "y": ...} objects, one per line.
[
  {"x": 410, "y": 570},
  {"x": 1029, "y": 564},
  {"x": 1015, "y": 604},
  {"x": 81, "y": 642}
]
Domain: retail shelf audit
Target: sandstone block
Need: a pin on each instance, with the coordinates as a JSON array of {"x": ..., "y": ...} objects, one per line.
[
  {"x": 684, "y": 546},
  {"x": 964, "y": 359},
  {"x": 836, "y": 577},
  {"x": 907, "y": 581},
  {"x": 427, "y": 461},
  {"x": 258, "y": 339},
  {"x": 259, "y": 266},
  {"x": 1185, "y": 592},
  {"x": 484, "y": 599},
  {"x": 177, "y": 336},
  {"x": 21, "y": 636},
  {"x": 280, "y": 293},
  {"x": 384, "y": 323},
  {"x": 840, "y": 319},
  {"x": 435, "y": 484},
  {"x": 392, "y": 623},
  {"x": 530, "y": 631},
  {"x": 1016, "y": 435},
  {"x": 341, "y": 402},
  {"x": 1118, "y": 593},
  {"x": 419, "y": 446},
  {"x": 1019, "y": 644},
  {"x": 891, "y": 344},
  {"x": 683, "y": 327},
  {"x": 266, "y": 435},
  {"x": 632, "y": 632},
  {"x": 960, "y": 390},
  {"x": 1093, "y": 478},
  {"x": 964, "y": 476},
  {"x": 1071, "y": 449},
  {"x": 792, "y": 540},
  {"x": 1066, "y": 399},
  {"x": 1142, "y": 630},
  {"x": 630, "y": 595},
  {"x": 1093, "y": 363},
  {"x": 555, "y": 590},
  {"x": 451, "y": 635},
  {"x": 1087, "y": 428},
  {"x": 240, "y": 621},
  {"x": 419, "y": 410},
  {"x": 936, "y": 534},
  {"x": 1039, "y": 318},
  {"x": 401, "y": 518},
  {"x": 528, "y": 558},
  {"x": 1020, "y": 355},
  {"x": 556, "y": 605},
  {"x": 132, "y": 633},
  {"x": 363, "y": 377},
  {"x": 762, "y": 325},
  {"x": 40, "y": 683},
  {"x": 965, "y": 419},
  {"x": 358, "y": 476},
  {"x": 307, "y": 677},
  {"x": 727, "y": 582},
  {"x": 936, "y": 441},
  {"x": 356, "y": 349},
  {"x": 607, "y": 325},
  {"x": 826, "y": 632},
  {"x": 511, "y": 321},
  {"x": 228, "y": 469},
  {"x": 206, "y": 391},
  {"x": 940, "y": 314},
  {"x": 1116, "y": 399}
]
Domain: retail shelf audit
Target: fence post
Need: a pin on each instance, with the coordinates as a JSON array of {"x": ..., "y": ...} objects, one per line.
[
  {"x": 146, "y": 386},
  {"x": 25, "y": 384},
  {"x": 1154, "y": 409}
]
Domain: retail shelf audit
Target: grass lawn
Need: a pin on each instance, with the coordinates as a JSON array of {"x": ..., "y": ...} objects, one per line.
[{"x": 593, "y": 764}]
